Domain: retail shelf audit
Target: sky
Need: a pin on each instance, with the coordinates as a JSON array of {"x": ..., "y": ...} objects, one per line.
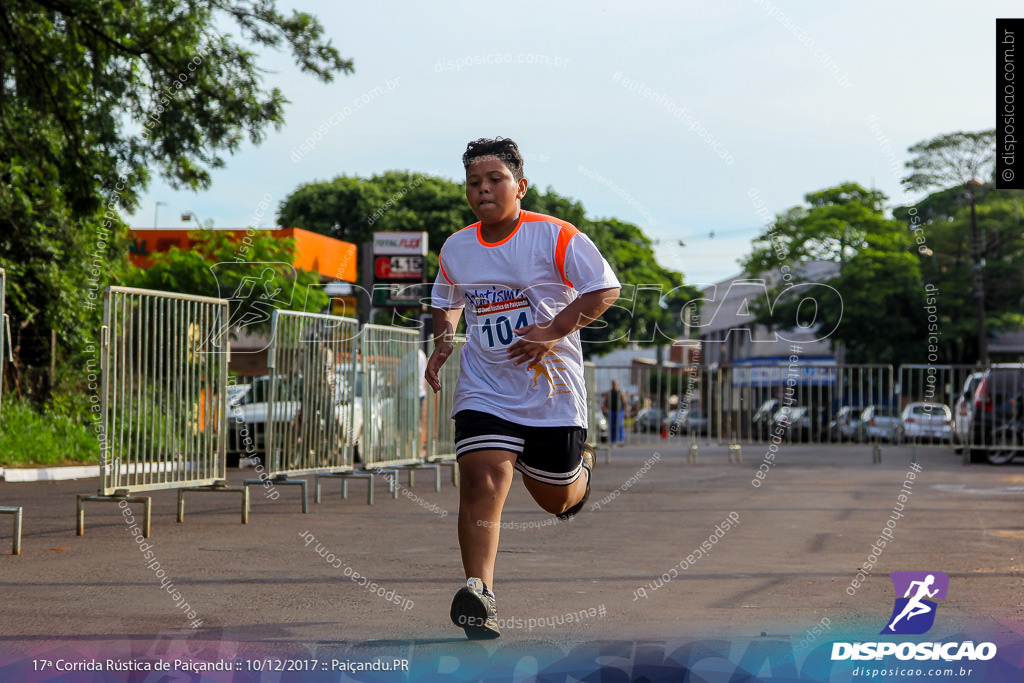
[{"x": 674, "y": 116}]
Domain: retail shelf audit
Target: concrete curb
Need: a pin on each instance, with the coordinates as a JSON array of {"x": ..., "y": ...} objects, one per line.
[{"x": 28, "y": 474}]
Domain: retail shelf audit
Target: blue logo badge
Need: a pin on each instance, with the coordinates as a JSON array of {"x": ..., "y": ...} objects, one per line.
[{"x": 914, "y": 613}]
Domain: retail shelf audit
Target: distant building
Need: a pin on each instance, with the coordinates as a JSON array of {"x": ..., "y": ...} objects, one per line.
[
  {"x": 727, "y": 330},
  {"x": 1008, "y": 345}
]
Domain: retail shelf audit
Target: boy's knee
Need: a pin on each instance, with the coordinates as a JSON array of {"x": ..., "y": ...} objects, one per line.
[{"x": 481, "y": 481}]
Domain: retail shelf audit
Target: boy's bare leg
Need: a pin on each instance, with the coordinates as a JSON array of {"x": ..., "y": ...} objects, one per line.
[
  {"x": 557, "y": 499},
  {"x": 484, "y": 481}
]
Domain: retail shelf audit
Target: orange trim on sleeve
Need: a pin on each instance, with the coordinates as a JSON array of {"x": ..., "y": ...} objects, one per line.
[
  {"x": 565, "y": 234},
  {"x": 533, "y": 217},
  {"x": 444, "y": 273},
  {"x": 566, "y": 231}
]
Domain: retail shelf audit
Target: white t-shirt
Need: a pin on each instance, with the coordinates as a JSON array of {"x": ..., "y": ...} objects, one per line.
[{"x": 528, "y": 277}]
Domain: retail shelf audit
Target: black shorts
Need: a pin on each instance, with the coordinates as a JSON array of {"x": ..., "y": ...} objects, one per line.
[{"x": 552, "y": 455}]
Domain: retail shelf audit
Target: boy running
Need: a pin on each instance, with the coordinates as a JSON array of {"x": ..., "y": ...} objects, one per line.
[{"x": 527, "y": 283}]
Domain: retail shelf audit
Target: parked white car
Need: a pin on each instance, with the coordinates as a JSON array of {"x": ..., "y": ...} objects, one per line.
[
  {"x": 925, "y": 421},
  {"x": 963, "y": 410}
]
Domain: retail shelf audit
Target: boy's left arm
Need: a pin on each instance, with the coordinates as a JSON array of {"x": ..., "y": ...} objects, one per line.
[{"x": 538, "y": 339}]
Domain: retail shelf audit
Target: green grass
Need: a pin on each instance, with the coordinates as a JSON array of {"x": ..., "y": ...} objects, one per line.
[{"x": 56, "y": 436}]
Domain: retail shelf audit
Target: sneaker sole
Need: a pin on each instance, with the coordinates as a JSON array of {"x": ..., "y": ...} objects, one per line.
[{"x": 470, "y": 614}]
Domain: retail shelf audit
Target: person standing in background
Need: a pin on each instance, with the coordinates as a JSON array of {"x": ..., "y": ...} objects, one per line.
[{"x": 614, "y": 406}]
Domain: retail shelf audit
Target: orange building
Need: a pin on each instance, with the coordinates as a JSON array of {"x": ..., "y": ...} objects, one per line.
[{"x": 334, "y": 259}]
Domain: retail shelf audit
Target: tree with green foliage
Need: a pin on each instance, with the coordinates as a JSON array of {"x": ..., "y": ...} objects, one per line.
[
  {"x": 942, "y": 223},
  {"x": 951, "y": 160},
  {"x": 93, "y": 96},
  {"x": 834, "y": 226},
  {"x": 652, "y": 297},
  {"x": 880, "y": 316},
  {"x": 353, "y": 208},
  {"x": 961, "y": 163}
]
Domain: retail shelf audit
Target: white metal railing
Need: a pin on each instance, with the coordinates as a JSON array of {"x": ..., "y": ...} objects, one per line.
[{"x": 164, "y": 382}]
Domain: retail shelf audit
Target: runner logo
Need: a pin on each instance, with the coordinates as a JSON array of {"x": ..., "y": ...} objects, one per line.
[{"x": 914, "y": 613}]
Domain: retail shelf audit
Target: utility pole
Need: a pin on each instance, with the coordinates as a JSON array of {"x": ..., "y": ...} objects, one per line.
[
  {"x": 978, "y": 275},
  {"x": 156, "y": 212}
]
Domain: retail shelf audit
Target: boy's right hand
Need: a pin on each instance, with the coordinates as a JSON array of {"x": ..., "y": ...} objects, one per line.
[{"x": 437, "y": 359}]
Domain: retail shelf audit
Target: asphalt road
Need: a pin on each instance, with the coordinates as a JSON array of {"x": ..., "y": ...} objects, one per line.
[{"x": 783, "y": 565}]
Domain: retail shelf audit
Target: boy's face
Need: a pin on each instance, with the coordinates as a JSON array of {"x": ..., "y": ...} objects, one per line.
[{"x": 493, "y": 193}]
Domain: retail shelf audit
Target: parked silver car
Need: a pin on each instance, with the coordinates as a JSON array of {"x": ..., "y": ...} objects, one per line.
[
  {"x": 687, "y": 423},
  {"x": 878, "y": 423},
  {"x": 649, "y": 420},
  {"x": 249, "y": 404},
  {"x": 845, "y": 426}
]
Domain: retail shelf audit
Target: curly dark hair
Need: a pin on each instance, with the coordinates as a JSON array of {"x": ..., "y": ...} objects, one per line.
[{"x": 504, "y": 149}]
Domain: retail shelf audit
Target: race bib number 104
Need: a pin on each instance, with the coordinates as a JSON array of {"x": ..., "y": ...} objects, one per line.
[{"x": 495, "y": 322}]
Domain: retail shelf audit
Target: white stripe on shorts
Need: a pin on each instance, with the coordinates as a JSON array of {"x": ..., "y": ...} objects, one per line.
[
  {"x": 557, "y": 479},
  {"x": 512, "y": 439},
  {"x": 487, "y": 442}
]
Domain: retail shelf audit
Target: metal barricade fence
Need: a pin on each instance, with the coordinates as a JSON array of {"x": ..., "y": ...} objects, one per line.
[
  {"x": 803, "y": 402},
  {"x": 306, "y": 409},
  {"x": 660, "y": 401},
  {"x": 797, "y": 402},
  {"x": 163, "y": 360},
  {"x": 594, "y": 416},
  {"x": 5, "y": 329},
  {"x": 440, "y": 428},
  {"x": 391, "y": 396},
  {"x": 978, "y": 409},
  {"x": 312, "y": 412},
  {"x": 438, "y": 407},
  {"x": 164, "y": 390}
]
